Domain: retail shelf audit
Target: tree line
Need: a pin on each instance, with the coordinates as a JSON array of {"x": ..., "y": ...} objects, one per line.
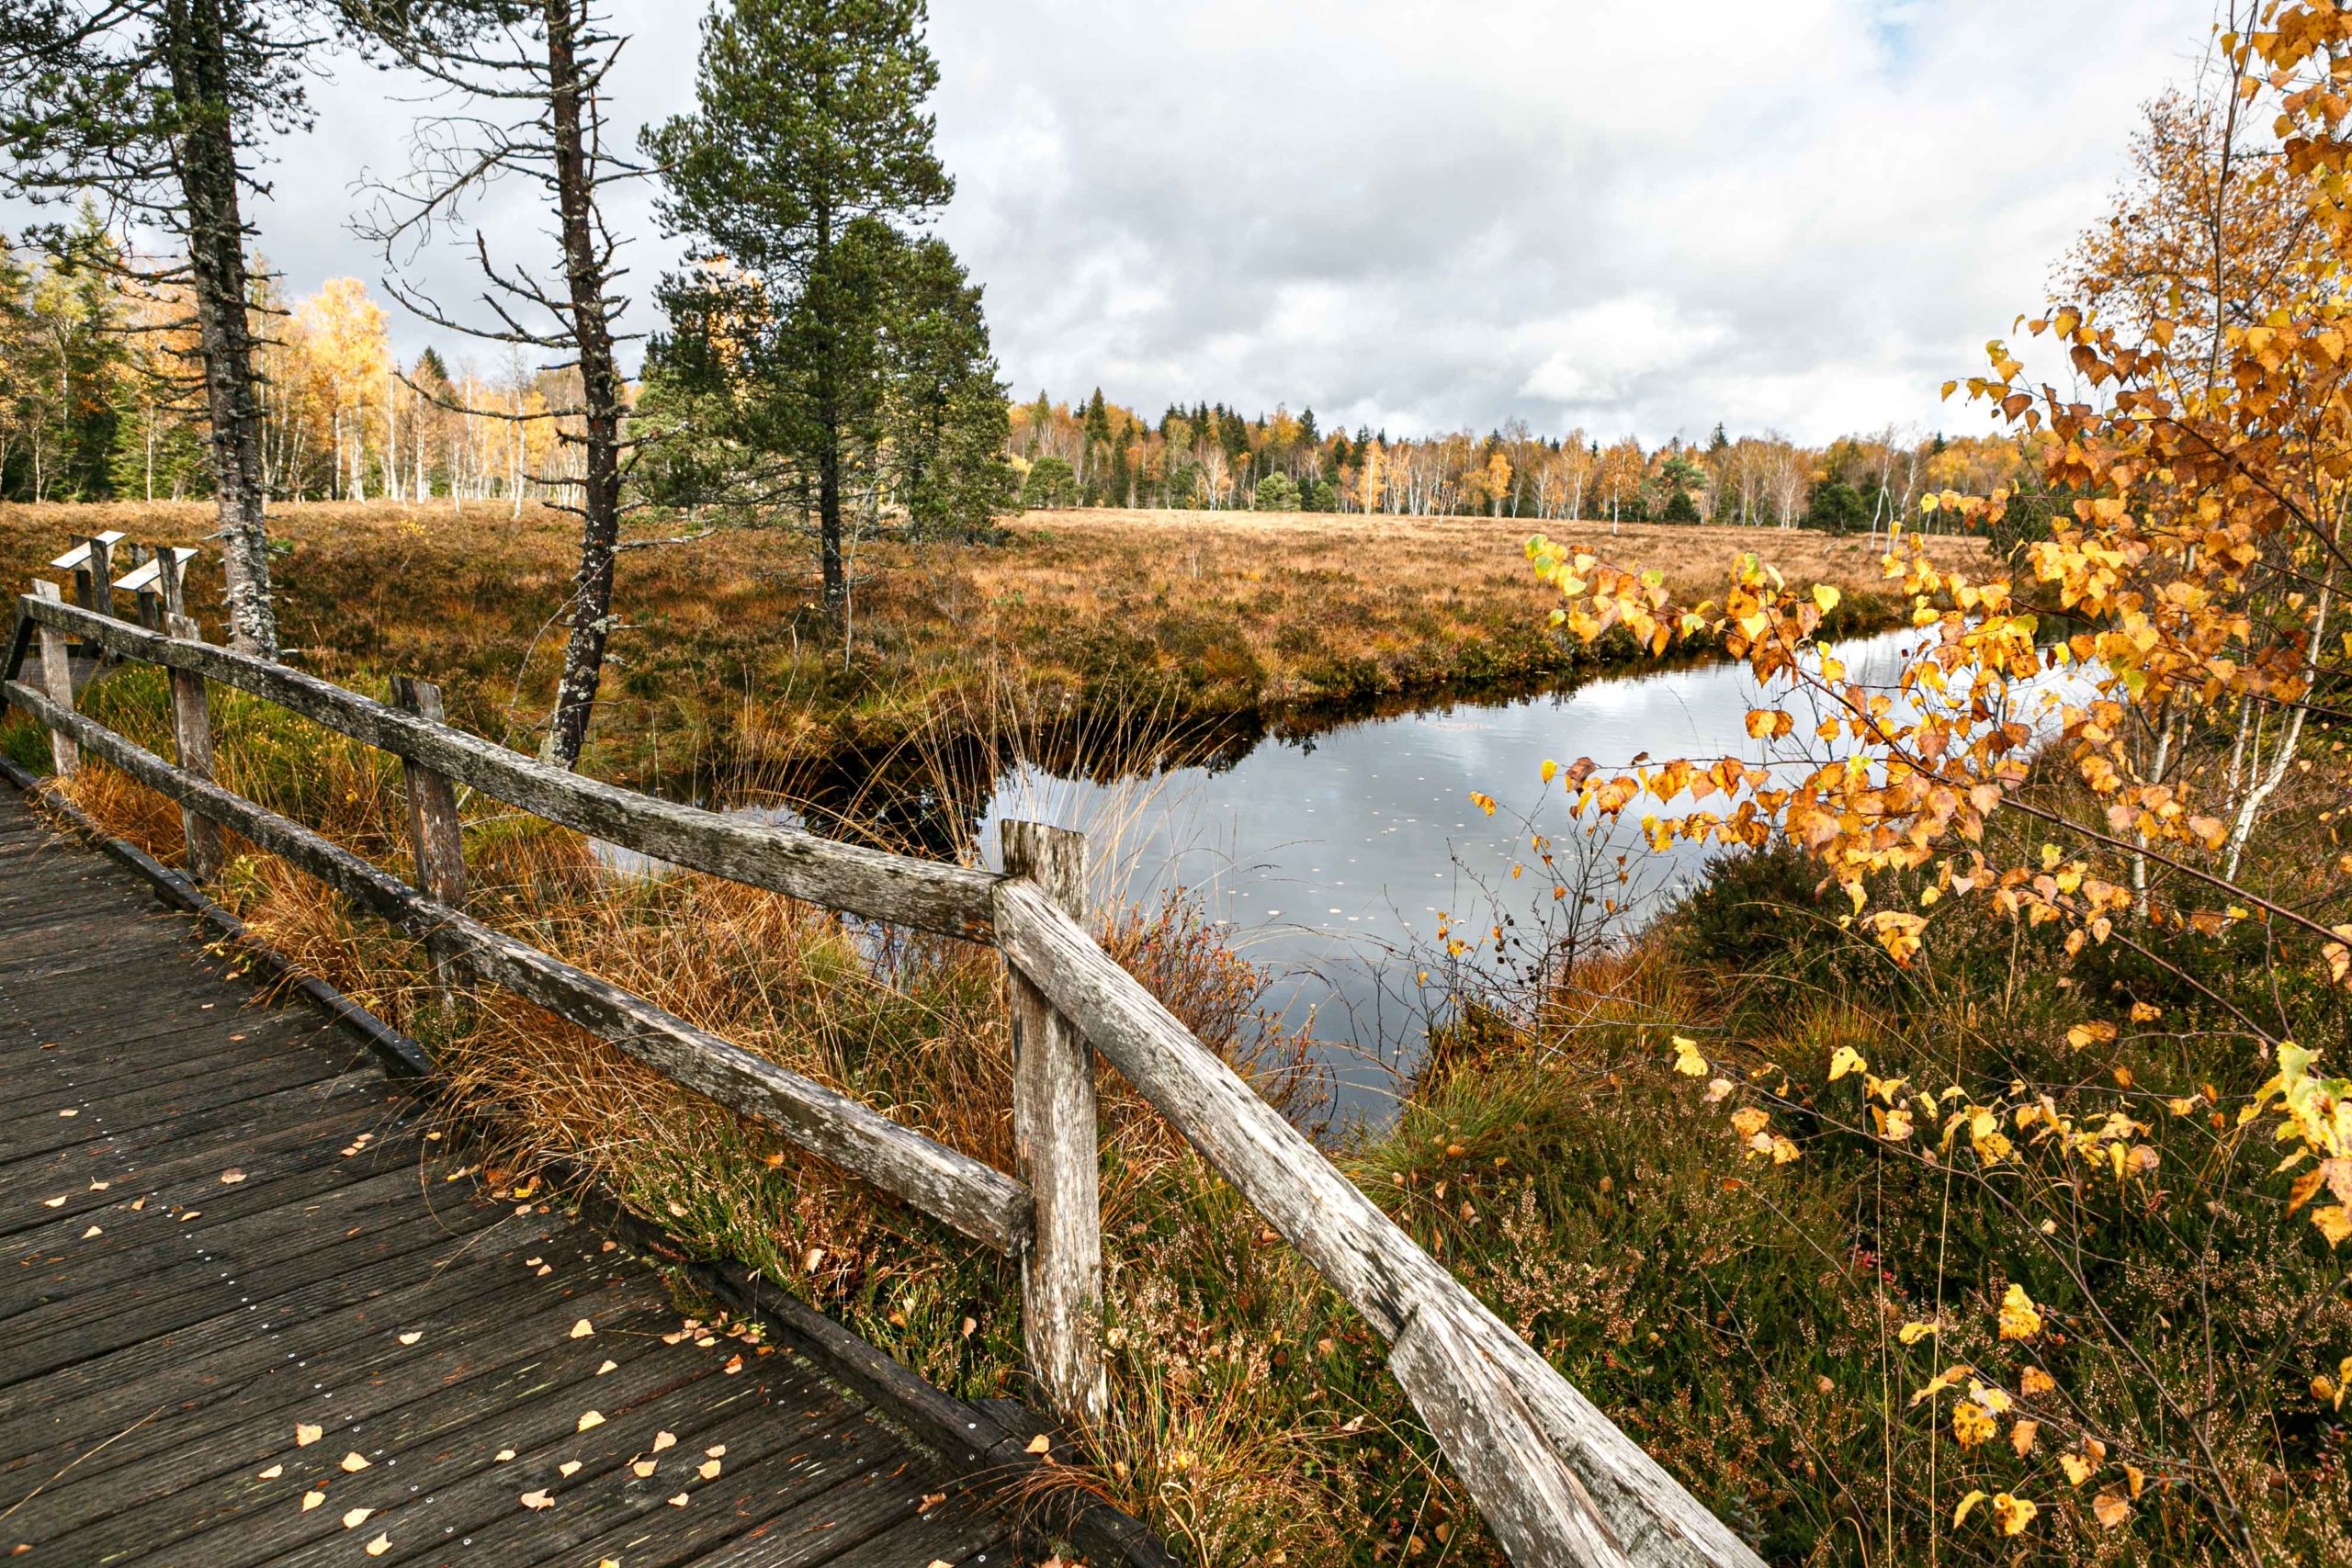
[{"x": 1210, "y": 457}]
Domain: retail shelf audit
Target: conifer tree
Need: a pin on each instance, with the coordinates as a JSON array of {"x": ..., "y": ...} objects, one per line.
[
  {"x": 808, "y": 148},
  {"x": 156, "y": 106}
]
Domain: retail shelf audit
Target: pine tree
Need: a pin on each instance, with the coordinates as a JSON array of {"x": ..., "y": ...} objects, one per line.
[
  {"x": 808, "y": 135},
  {"x": 157, "y": 106}
]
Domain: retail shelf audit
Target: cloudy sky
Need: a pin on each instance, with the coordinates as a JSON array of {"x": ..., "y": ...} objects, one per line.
[{"x": 1424, "y": 214}]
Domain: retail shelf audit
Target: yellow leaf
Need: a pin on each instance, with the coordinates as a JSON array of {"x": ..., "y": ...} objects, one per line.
[
  {"x": 709, "y": 1470},
  {"x": 2019, "y": 1317},
  {"x": 356, "y": 1517},
  {"x": 1825, "y": 596},
  {"x": 664, "y": 1441},
  {"x": 1971, "y": 1423},
  {"x": 2111, "y": 1510},
  {"x": 355, "y": 1463},
  {"x": 1844, "y": 1060},
  {"x": 1550, "y": 770},
  {"x": 536, "y": 1500},
  {"x": 2035, "y": 1380},
  {"x": 1687, "y": 1060},
  {"x": 2334, "y": 1222},
  {"x": 412, "y": 1336},
  {"x": 305, "y": 1434},
  {"x": 1912, "y": 1333},
  {"x": 311, "y": 1500},
  {"x": 583, "y": 1329},
  {"x": 1966, "y": 1505},
  {"x": 380, "y": 1545},
  {"x": 2015, "y": 1513},
  {"x": 1040, "y": 1444},
  {"x": 2021, "y": 1436},
  {"x": 2077, "y": 1468},
  {"x": 590, "y": 1418}
]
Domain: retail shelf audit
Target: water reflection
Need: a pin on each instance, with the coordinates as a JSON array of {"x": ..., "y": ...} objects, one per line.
[{"x": 1333, "y": 856}]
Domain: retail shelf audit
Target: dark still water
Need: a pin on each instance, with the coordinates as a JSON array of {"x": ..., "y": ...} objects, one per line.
[{"x": 1333, "y": 859}]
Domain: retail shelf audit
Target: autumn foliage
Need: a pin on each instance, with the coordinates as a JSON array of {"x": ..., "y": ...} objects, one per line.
[{"x": 2093, "y": 739}]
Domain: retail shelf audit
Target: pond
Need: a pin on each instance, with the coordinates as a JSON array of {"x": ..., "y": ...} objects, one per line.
[{"x": 1334, "y": 858}]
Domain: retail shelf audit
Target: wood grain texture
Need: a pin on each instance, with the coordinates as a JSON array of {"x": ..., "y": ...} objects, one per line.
[
  {"x": 1371, "y": 1262},
  {"x": 980, "y": 1202},
  {"x": 192, "y": 735},
  {"x": 57, "y": 674},
  {"x": 1057, "y": 1151},
  {"x": 928, "y": 896},
  {"x": 247, "y": 1271}
]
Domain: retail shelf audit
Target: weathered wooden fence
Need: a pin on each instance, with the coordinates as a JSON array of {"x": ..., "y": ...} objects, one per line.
[{"x": 1557, "y": 1483}]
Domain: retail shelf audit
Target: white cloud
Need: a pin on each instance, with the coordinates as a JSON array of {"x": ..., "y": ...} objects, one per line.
[{"x": 1427, "y": 215}]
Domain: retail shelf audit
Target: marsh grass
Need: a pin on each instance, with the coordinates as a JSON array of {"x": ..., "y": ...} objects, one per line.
[{"x": 725, "y": 659}]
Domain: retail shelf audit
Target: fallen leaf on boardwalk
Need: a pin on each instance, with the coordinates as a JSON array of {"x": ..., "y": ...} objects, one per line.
[
  {"x": 607, "y": 1366},
  {"x": 734, "y": 1365},
  {"x": 717, "y": 1450},
  {"x": 567, "y": 1467},
  {"x": 644, "y": 1468},
  {"x": 679, "y": 1501},
  {"x": 380, "y": 1545},
  {"x": 273, "y": 1473},
  {"x": 139, "y": 1202},
  {"x": 590, "y": 1418},
  {"x": 504, "y": 1455},
  {"x": 191, "y": 1214},
  {"x": 1040, "y": 1443},
  {"x": 412, "y": 1336},
  {"x": 356, "y": 1517},
  {"x": 91, "y": 1231},
  {"x": 355, "y": 1463},
  {"x": 709, "y": 1469},
  {"x": 533, "y": 1262},
  {"x": 69, "y": 1111},
  {"x": 543, "y": 1270},
  {"x": 930, "y": 1500},
  {"x": 305, "y": 1434},
  {"x": 583, "y": 1329},
  {"x": 664, "y": 1441},
  {"x": 56, "y": 1202},
  {"x": 537, "y": 1500},
  {"x": 232, "y": 1177},
  {"x": 311, "y": 1500},
  {"x": 100, "y": 1185}
]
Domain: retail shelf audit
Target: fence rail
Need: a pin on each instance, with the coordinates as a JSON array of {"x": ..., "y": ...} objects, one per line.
[{"x": 1556, "y": 1481}]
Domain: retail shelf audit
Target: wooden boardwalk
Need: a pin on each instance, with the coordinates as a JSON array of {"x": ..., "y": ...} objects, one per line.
[{"x": 223, "y": 1228}]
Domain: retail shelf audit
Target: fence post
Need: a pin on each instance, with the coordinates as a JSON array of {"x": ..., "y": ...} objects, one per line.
[
  {"x": 171, "y": 579},
  {"x": 57, "y": 674},
  {"x": 433, "y": 833},
  {"x": 432, "y": 829},
  {"x": 192, "y": 733},
  {"x": 1055, "y": 1153}
]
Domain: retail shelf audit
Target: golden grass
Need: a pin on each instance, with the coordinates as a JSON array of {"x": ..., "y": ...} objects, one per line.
[{"x": 725, "y": 662}]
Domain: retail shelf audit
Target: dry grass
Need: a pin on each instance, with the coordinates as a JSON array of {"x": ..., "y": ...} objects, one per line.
[{"x": 726, "y": 662}]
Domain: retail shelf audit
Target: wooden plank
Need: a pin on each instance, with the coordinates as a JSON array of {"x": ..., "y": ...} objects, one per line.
[
  {"x": 981, "y": 1203},
  {"x": 364, "y": 1373},
  {"x": 786, "y": 1451},
  {"x": 57, "y": 674},
  {"x": 822, "y": 1529},
  {"x": 950, "y": 1531},
  {"x": 1375, "y": 1267},
  {"x": 428, "y": 1427},
  {"x": 192, "y": 735},
  {"x": 926, "y": 894},
  {"x": 1057, "y": 1154}
]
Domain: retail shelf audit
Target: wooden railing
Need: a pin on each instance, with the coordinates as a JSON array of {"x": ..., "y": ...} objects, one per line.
[{"x": 1556, "y": 1481}]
